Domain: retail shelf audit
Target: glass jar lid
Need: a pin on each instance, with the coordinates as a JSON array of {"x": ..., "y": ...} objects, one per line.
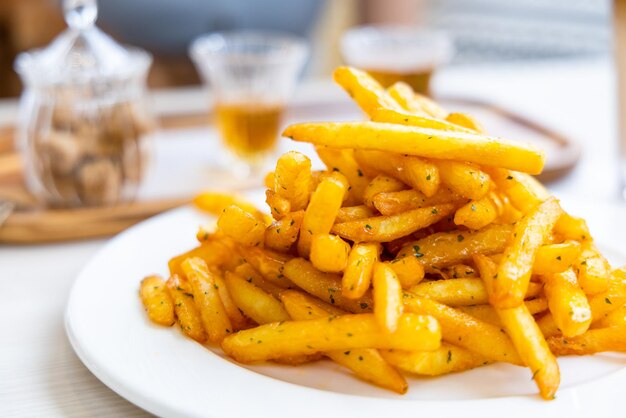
[{"x": 82, "y": 54}]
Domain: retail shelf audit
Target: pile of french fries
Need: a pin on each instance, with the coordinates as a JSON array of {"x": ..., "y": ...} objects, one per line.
[{"x": 425, "y": 247}]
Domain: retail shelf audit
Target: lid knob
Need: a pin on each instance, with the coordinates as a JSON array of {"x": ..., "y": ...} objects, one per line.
[{"x": 80, "y": 14}]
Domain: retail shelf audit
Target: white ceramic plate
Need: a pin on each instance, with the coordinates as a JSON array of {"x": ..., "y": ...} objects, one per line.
[{"x": 170, "y": 375}]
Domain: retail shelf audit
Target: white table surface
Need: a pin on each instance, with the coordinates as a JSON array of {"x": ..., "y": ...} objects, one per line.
[{"x": 41, "y": 376}]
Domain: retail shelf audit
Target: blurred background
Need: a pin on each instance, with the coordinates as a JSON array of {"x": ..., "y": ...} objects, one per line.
[{"x": 486, "y": 32}]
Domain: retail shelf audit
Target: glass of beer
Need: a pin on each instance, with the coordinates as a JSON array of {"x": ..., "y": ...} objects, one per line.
[
  {"x": 396, "y": 53},
  {"x": 251, "y": 75}
]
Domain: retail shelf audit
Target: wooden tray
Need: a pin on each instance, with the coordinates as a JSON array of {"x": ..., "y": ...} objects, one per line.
[{"x": 33, "y": 224}]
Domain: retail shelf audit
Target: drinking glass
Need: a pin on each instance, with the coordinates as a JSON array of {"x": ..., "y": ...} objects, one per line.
[
  {"x": 251, "y": 75},
  {"x": 396, "y": 53}
]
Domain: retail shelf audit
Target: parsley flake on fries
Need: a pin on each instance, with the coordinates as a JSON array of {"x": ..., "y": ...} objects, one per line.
[{"x": 424, "y": 248}]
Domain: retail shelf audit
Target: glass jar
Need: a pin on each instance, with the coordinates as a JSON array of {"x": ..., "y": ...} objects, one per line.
[{"x": 84, "y": 119}]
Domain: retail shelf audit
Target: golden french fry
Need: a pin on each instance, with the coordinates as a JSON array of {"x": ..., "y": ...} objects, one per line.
[
  {"x": 476, "y": 214},
  {"x": 242, "y": 226},
  {"x": 414, "y": 102},
  {"x": 421, "y": 142},
  {"x": 592, "y": 341},
  {"x": 568, "y": 303},
  {"x": 234, "y": 314},
  {"x": 462, "y": 291},
  {"x": 391, "y": 227},
  {"x": 454, "y": 247},
  {"x": 487, "y": 313},
  {"x": 466, "y": 121},
  {"x": 602, "y": 304},
  {"x": 446, "y": 359},
  {"x": 269, "y": 264},
  {"x": 465, "y": 180},
  {"x": 292, "y": 179},
  {"x": 246, "y": 271},
  {"x": 326, "y": 286},
  {"x": 387, "y": 297},
  {"x": 279, "y": 206},
  {"x": 511, "y": 280},
  {"x": 343, "y": 161},
  {"x": 366, "y": 363},
  {"x": 364, "y": 90},
  {"x": 617, "y": 318},
  {"x": 392, "y": 203},
  {"x": 255, "y": 303},
  {"x": 283, "y": 233},
  {"x": 357, "y": 277},
  {"x": 548, "y": 325},
  {"x": 556, "y": 258},
  {"x": 593, "y": 270},
  {"x": 524, "y": 191},
  {"x": 381, "y": 184},
  {"x": 352, "y": 213},
  {"x": 215, "y": 203},
  {"x": 213, "y": 252},
  {"x": 526, "y": 336},
  {"x": 206, "y": 296},
  {"x": 301, "y": 306},
  {"x": 186, "y": 310},
  {"x": 465, "y": 331},
  {"x": 347, "y": 332},
  {"x": 413, "y": 171},
  {"x": 409, "y": 271},
  {"x": 320, "y": 215},
  {"x": 329, "y": 253},
  {"x": 419, "y": 119},
  {"x": 459, "y": 271},
  {"x": 573, "y": 228},
  {"x": 157, "y": 301}
]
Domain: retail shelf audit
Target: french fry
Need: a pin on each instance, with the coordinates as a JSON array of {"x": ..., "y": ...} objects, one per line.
[
  {"x": 572, "y": 228},
  {"x": 255, "y": 303},
  {"x": 465, "y": 331},
  {"x": 465, "y": 180},
  {"x": 602, "y": 304},
  {"x": 185, "y": 308},
  {"x": 364, "y": 90},
  {"x": 392, "y": 203},
  {"x": 283, "y": 233},
  {"x": 511, "y": 281},
  {"x": 343, "y": 161},
  {"x": 446, "y": 359},
  {"x": 415, "y": 103},
  {"x": 320, "y": 215},
  {"x": 390, "y": 227},
  {"x": 454, "y": 247},
  {"x": 525, "y": 334},
  {"x": 243, "y": 227},
  {"x": 301, "y": 306},
  {"x": 593, "y": 270},
  {"x": 421, "y": 142},
  {"x": 488, "y": 314},
  {"x": 466, "y": 121},
  {"x": 292, "y": 179},
  {"x": 247, "y": 272},
  {"x": 459, "y": 271},
  {"x": 357, "y": 277},
  {"x": 207, "y": 298},
  {"x": 556, "y": 258},
  {"x": 387, "y": 295},
  {"x": 411, "y": 118},
  {"x": 215, "y": 203},
  {"x": 418, "y": 173},
  {"x": 524, "y": 191},
  {"x": 352, "y": 213},
  {"x": 592, "y": 341},
  {"x": 329, "y": 253},
  {"x": 617, "y": 318},
  {"x": 234, "y": 314},
  {"x": 347, "y": 332},
  {"x": 326, "y": 286},
  {"x": 476, "y": 214},
  {"x": 380, "y": 184},
  {"x": 409, "y": 271},
  {"x": 462, "y": 292},
  {"x": 366, "y": 363},
  {"x": 213, "y": 252},
  {"x": 568, "y": 303},
  {"x": 279, "y": 206},
  {"x": 548, "y": 325},
  {"x": 157, "y": 301},
  {"x": 269, "y": 263}
]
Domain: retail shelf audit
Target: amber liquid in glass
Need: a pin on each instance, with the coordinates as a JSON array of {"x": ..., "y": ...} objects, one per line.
[
  {"x": 418, "y": 80},
  {"x": 249, "y": 129}
]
